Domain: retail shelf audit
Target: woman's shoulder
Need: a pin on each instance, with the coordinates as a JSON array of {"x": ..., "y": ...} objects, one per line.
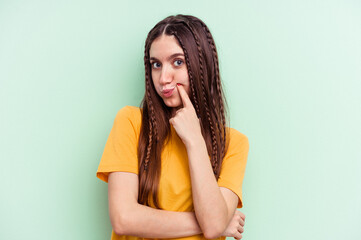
[
  {"x": 236, "y": 136},
  {"x": 130, "y": 113}
]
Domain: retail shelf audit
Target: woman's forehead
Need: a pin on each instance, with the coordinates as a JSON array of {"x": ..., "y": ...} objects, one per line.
[{"x": 164, "y": 46}]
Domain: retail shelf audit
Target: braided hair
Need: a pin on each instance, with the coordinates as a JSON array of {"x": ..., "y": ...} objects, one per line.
[{"x": 202, "y": 64}]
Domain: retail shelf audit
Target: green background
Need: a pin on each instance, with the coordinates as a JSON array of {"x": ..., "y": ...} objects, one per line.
[{"x": 291, "y": 71}]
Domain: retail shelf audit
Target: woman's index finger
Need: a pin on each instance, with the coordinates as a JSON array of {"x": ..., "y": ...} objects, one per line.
[{"x": 184, "y": 96}]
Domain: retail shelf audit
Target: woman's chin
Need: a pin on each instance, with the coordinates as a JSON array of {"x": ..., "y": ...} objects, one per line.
[{"x": 172, "y": 103}]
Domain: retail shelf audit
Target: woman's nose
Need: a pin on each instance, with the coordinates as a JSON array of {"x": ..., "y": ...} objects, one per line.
[{"x": 166, "y": 75}]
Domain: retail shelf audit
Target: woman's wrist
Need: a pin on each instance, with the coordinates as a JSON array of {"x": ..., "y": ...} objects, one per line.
[{"x": 195, "y": 142}]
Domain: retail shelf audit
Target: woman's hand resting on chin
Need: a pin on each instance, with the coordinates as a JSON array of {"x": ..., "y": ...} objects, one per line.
[{"x": 185, "y": 120}]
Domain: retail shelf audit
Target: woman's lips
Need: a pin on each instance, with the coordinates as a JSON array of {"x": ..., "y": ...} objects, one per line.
[{"x": 168, "y": 92}]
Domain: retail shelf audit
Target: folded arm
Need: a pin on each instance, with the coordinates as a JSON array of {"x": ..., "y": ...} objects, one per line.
[
  {"x": 214, "y": 206},
  {"x": 128, "y": 217}
]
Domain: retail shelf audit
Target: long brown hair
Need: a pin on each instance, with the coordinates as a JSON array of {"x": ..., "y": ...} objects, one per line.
[{"x": 207, "y": 97}]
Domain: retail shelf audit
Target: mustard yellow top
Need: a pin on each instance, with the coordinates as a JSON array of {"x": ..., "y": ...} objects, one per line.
[{"x": 175, "y": 193}]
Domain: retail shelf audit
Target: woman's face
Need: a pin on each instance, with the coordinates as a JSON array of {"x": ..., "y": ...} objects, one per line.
[{"x": 168, "y": 68}]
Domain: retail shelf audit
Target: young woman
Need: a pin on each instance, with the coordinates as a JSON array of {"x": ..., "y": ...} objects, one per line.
[{"x": 173, "y": 167}]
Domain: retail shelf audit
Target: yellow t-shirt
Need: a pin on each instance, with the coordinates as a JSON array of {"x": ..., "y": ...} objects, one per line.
[{"x": 175, "y": 193}]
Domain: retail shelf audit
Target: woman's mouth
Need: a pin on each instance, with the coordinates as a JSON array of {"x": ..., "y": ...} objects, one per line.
[{"x": 168, "y": 92}]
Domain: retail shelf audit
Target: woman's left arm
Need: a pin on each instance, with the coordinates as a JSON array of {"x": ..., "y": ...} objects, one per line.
[{"x": 214, "y": 206}]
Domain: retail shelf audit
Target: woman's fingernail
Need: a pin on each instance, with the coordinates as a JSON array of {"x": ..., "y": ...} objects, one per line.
[{"x": 178, "y": 84}]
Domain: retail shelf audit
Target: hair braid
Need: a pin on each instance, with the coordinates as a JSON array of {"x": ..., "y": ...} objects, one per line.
[
  {"x": 214, "y": 139},
  {"x": 149, "y": 147},
  {"x": 152, "y": 116},
  {"x": 218, "y": 81}
]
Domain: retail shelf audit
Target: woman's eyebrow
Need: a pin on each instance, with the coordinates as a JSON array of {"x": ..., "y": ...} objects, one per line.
[{"x": 170, "y": 57}]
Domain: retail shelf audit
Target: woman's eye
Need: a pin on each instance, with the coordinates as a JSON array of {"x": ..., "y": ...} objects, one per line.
[
  {"x": 178, "y": 62},
  {"x": 155, "y": 65}
]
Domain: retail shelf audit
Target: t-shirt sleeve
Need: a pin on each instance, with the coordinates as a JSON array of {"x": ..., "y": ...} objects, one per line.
[
  {"x": 234, "y": 164},
  {"x": 120, "y": 151}
]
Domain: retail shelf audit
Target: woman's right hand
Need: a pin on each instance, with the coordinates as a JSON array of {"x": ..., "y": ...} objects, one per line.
[{"x": 236, "y": 226}]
